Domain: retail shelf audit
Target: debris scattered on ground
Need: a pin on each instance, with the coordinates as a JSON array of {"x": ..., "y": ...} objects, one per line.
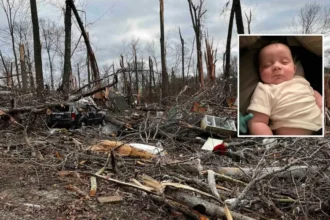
[{"x": 157, "y": 161}]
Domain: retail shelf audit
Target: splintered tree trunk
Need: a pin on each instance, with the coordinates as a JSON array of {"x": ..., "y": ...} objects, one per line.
[
  {"x": 78, "y": 69},
  {"x": 162, "y": 51},
  {"x": 50, "y": 68},
  {"x": 182, "y": 57},
  {"x": 210, "y": 59},
  {"x": 67, "y": 50},
  {"x": 113, "y": 70},
  {"x": 23, "y": 69},
  {"x": 96, "y": 74},
  {"x": 29, "y": 64},
  {"x": 8, "y": 79},
  {"x": 129, "y": 77},
  {"x": 196, "y": 76},
  {"x": 227, "y": 55},
  {"x": 136, "y": 70},
  {"x": 11, "y": 73},
  {"x": 200, "y": 62},
  {"x": 88, "y": 67},
  {"x": 51, "y": 73},
  {"x": 124, "y": 74},
  {"x": 173, "y": 79},
  {"x": 16, "y": 62},
  {"x": 37, "y": 48},
  {"x": 196, "y": 14},
  {"x": 9, "y": 82},
  {"x": 129, "y": 85},
  {"x": 236, "y": 8},
  {"x": 238, "y": 17},
  {"x": 143, "y": 78},
  {"x": 150, "y": 75}
]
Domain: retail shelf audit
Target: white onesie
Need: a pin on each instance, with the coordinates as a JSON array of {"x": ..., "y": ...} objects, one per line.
[{"x": 289, "y": 104}]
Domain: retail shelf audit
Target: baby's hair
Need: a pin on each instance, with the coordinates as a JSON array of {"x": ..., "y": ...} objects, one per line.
[{"x": 269, "y": 40}]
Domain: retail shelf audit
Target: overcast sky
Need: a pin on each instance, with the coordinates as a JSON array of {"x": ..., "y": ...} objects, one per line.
[{"x": 114, "y": 23}]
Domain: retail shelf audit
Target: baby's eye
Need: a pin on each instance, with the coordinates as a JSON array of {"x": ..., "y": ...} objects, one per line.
[
  {"x": 267, "y": 65},
  {"x": 285, "y": 62}
]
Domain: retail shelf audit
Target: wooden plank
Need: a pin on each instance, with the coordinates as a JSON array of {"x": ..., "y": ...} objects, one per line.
[{"x": 110, "y": 199}]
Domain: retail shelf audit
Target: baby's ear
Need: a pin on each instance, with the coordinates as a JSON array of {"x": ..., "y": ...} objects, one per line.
[{"x": 295, "y": 68}]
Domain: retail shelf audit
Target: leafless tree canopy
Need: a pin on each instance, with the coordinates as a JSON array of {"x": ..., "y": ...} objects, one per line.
[{"x": 313, "y": 18}]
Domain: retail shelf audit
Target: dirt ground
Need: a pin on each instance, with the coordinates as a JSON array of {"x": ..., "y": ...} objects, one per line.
[
  {"x": 31, "y": 189},
  {"x": 23, "y": 184}
]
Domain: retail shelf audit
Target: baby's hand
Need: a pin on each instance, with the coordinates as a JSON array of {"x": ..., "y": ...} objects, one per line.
[{"x": 318, "y": 99}]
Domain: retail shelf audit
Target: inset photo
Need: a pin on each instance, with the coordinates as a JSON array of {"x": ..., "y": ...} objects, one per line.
[{"x": 281, "y": 85}]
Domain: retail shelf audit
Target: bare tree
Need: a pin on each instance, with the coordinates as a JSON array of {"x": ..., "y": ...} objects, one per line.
[
  {"x": 114, "y": 77},
  {"x": 327, "y": 57},
  {"x": 235, "y": 9},
  {"x": 197, "y": 13},
  {"x": 143, "y": 83},
  {"x": 88, "y": 66},
  {"x": 11, "y": 9},
  {"x": 227, "y": 53},
  {"x": 121, "y": 63},
  {"x": 162, "y": 49},
  {"x": 233, "y": 66},
  {"x": 151, "y": 76},
  {"x": 182, "y": 56},
  {"x": 93, "y": 63},
  {"x": 173, "y": 79},
  {"x": 67, "y": 50},
  {"x": 78, "y": 73},
  {"x": 7, "y": 72},
  {"x": 151, "y": 49},
  {"x": 249, "y": 18},
  {"x": 134, "y": 51},
  {"x": 51, "y": 34},
  {"x": 37, "y": 48},
  {"x": 312, "y": 18}
]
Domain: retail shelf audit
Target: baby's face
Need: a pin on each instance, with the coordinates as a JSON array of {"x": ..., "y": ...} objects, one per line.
[{"x": 276, "y": 64}]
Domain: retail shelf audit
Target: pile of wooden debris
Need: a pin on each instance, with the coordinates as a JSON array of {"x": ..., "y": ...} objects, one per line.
[{"x": 164, "y": 156}]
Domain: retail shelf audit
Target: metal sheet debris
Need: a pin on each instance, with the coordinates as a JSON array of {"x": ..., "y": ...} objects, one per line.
[{"x": 220, "y": 125}]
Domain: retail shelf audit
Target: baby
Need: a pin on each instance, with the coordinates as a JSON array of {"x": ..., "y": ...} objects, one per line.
[{"x": 283, "y": 104}]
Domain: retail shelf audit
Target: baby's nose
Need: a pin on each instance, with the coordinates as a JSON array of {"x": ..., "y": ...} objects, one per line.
[{"x": 276, "y": 66}]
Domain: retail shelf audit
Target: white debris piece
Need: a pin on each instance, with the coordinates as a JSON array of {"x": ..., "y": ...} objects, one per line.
[
  {"x": 148, "y": 148},
  {"x": 211, "y": 143},
  {"x": 269, "y": 142}
]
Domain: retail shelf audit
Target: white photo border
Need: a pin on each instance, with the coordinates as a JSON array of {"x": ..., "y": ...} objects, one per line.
[{"x": 323, "y": 89}]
